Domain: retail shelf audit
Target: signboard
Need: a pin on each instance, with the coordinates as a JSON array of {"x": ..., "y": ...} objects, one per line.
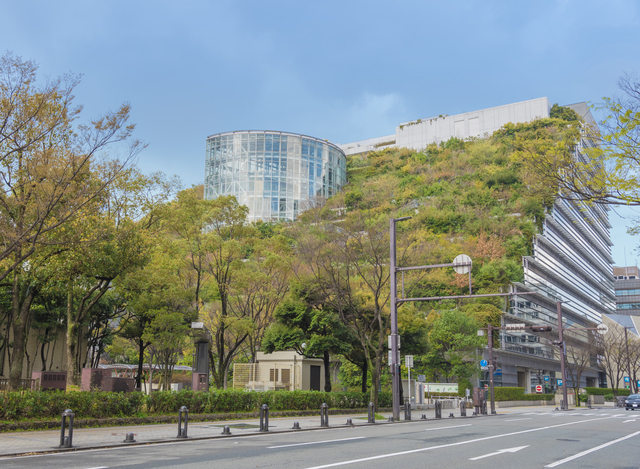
[
  {"x": 441, "y": 387},
  {"x": 484, "y": 362},
  {"x": 559, "y": 381},
  {"x": 602, "y": 328},
  {"x": 498, "y": 372},
  {"x": 486, "y": 387},
  {"x": 638, "y": 383},
  {"x": 626, "y": 379},
  {"x": 462, "y": 259},
  {"x": 408, "y": 361},
  {"x": 421, "y": 378},
  {"x": 546, "y": 378},
  {"x": 538, "y": 388}
]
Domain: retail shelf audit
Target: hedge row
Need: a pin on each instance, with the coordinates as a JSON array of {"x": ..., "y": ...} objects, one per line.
[
  {"x": 517, "y": 394},
  {"x": 46, "y": 404},
  {"x": 42, "y": 404},
  {"x": 605, "y": 391},
  {"x": 246, "y": 401}
]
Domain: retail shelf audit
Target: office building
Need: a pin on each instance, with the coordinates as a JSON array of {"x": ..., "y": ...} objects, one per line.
[
  {"x": 571, "y": 259},
  {"x": 626, "y": 281}
]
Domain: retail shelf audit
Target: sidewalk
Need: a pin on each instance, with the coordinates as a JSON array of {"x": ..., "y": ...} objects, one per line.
[{"x": 20, "y": 443}]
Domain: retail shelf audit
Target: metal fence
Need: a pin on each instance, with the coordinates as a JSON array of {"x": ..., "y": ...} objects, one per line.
[
  {"x": 25, "y": 384},
  {"x": 266, "y": 377}
]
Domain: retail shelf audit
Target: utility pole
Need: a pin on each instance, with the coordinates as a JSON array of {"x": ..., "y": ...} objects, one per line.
[
  {"x": 563, "y": 350},
  {"x": 395, "y": 352},
  {"x": 626, "y": 342},
  {"x": 491, "y": 367}
]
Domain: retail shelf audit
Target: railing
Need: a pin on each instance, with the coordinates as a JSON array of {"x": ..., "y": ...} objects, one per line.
[{"x": 25, "y": 384}]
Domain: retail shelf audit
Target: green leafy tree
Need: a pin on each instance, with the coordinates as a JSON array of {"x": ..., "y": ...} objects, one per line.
[
  {"x": 51, "y": 174},
  {"x": 312, "y": 332},
  {"x": 453, "y": 343}
]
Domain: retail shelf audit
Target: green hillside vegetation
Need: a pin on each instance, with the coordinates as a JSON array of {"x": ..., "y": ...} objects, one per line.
[{"x": 478, "y": 197}]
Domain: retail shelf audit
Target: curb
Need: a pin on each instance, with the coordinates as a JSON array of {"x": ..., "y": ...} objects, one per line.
[{"x": 213, "y": 437}]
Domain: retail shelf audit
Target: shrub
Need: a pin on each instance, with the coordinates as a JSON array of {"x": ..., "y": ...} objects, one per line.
[{"x": 605, "y": 391}]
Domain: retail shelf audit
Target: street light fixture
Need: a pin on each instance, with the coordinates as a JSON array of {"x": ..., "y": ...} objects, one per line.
[{"x": 395, "y": 353}]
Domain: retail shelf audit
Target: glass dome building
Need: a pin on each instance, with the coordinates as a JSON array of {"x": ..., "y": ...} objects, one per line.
[{"x": 276, "y": 174}]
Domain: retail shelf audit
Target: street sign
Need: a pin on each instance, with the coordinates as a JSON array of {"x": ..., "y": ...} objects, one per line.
[
  {"x": 546, "y": 378},
  {"x": 638, "y": 383},
  {"x": 421, "y": 378},
  {"x": 462, "y": 259},
  {"x": 602, "y": 328},
  {"x": 484, "y": 362},
  {"x": 498, "y": 372},
  {"x": 559, "y": 382},
  {"x": 408, "y": 361},
  {"x": 626, "y": 379},
  {"x": 515, "y": 327},
  {"x": 486, "y": 387},
  {"x": 538, "y": 388}
]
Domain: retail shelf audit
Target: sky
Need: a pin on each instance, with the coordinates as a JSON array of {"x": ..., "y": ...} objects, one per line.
[{"x": 342, "y": 70}]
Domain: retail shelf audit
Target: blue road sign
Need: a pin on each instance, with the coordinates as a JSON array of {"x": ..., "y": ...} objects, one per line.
[
  {"x": 638, "y": 383},
  {"x": 626, "y": 379},
  {"x": 484, "y": 362},
  {"x": 559, "y": 382},
  {"x": 546, "y": 378},
  {"x": 498, "y": 372}
]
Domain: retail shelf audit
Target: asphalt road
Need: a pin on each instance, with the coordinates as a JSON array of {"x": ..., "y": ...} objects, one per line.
[{"x": 577, "y": 439}]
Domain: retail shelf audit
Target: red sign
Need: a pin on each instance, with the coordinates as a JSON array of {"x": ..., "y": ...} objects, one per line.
[
  {"x": 486, "y": 387},
  {"x": 538, "y": 388}
]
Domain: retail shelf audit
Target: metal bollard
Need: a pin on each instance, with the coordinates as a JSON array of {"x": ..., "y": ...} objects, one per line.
[
  {"x": 182, "y": 431},
  {"x": 407, "y": 410},
  {"x": 226, "y": 430},
  {"x": 324, "y": 415},
  {"x": 371, "y": 414},
  {"x": 589, "y": 402},
  {"x": 350, "y": 422},
  {"x": 264, "y": 418},
  {"x": 67, "y": 441},
  {"x": 296, "y": 426},
  {"x": 463, "y": 409},
  {"x": 129, "y": 438},
  {"x": 438, "y": 409},
  {"x": 484, "y": 408},
  {"x": 424, "y": 417},
  {"x": 561, "y": 404}
]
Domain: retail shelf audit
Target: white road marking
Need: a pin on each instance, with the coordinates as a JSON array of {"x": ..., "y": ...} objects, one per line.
[
  {"x": 420, "y": 450},
  {"x": 584, "y": 453},
  {"x": 444, "y": 428},
  {"x": 633, "y": 420},
  {"x": 316, "y": 442},
  {"x": 500, "y": 451},
  {"x": 515, "y": 420}
]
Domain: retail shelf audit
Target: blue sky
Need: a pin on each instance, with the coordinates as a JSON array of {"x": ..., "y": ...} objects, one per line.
[{"x": 340, "y": 70}]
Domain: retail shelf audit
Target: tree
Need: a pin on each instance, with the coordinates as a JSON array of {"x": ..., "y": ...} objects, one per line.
[
  {"x": 312, "y": 332},
  {"x": 347, "y": 255},
  {"x": 583, "y": 161},
  {"x": 260, "y": 286},
  {"x": 581, "y": 353},
  {"x": 453, "y": 343},
  {"x": 51, "y": 170}
]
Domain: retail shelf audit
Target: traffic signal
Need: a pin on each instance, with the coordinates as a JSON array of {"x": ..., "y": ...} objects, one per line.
[{"x": 541, "y": 328}]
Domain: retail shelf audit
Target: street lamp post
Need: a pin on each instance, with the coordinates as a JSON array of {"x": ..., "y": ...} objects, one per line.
[
  {"x": 395, "y": 353},
  {"x": 563, "y": 350}
]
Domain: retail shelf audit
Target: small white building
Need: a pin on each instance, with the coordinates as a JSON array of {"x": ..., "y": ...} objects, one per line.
[{"x": 285, "y": 370}]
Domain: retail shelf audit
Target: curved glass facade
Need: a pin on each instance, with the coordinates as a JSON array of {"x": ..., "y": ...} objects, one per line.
[{"x": 276, "y": 174}]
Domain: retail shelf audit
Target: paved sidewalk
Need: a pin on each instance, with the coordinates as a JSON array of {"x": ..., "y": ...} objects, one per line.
[{"x": 85, "y": 438}]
